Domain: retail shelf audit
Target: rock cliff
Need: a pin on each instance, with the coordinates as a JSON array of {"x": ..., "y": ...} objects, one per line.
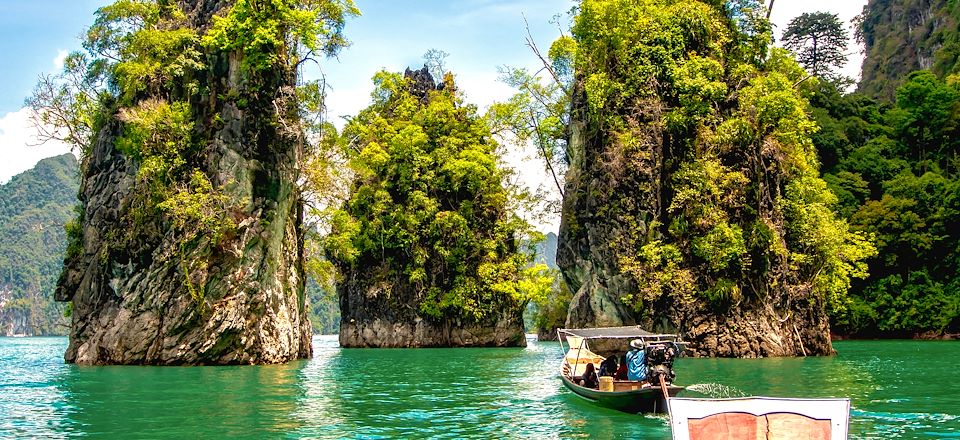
[
  {"x": 380, "y": 312},
  {"x": 210, "y": 269},
  {"x": 900, "y": 37},
  {"x": 591, "y": 256},
  {"x": 686, "y": 207}
]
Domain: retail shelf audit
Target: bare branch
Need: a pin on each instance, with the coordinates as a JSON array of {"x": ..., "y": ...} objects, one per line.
[
  {"x": 543, "y": 150},
  {"x": 803, "y": 80},
  {"x": 533, "y": 46}
]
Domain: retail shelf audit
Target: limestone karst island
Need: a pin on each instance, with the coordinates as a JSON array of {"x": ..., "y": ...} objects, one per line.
[{"x": 478, "y": 219}]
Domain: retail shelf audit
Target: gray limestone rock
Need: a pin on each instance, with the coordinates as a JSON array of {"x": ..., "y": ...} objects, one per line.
[
  {"x": 609, "y": 210},
  {"x": 377, "y": 312},
  {"x": 146, "y": 299}
]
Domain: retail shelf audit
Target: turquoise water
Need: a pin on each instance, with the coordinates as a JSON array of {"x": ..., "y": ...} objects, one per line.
[{"x": 899, "y": 389}]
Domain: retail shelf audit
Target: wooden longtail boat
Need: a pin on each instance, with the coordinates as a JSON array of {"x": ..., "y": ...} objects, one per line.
[{"x": 634, "y": 396}]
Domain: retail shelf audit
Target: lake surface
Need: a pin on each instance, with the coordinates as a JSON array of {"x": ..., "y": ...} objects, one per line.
[{"x": 899, "y": 389}]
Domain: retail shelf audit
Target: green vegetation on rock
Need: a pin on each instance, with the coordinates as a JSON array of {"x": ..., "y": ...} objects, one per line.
[
  {"x": 743, "y": 207},
  {"x": 900, "y": 37},
  {"x": 190, "y": 129},
  {"x": 687, "y": 150},
  {"x": 693, "y": 195},
  {"x": 428, "y": 206}
]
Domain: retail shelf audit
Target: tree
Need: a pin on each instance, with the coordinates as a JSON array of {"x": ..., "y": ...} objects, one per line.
[
  {"x": 893, "y": 169},
  {"x": 819, "y": 42},
  {"x": 929, "y": 116}
]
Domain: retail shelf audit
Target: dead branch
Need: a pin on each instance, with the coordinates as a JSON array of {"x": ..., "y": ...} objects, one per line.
[{"x": 543, "y": 150}]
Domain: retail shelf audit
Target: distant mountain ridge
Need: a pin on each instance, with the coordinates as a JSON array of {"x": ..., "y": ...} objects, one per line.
[
  {"x": 546, "y": 250},
  {"x": 902, "y": 36},
  {"x": 34, "y": 207}
]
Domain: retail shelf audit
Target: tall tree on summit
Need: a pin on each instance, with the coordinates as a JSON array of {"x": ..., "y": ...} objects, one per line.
[{"x": 819, "y": 42}]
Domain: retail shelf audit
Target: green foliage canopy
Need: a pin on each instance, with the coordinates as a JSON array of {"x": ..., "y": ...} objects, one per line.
[
  {"x": 894, "y": 169},
  {"x": 428, "y": 205},
  {"x": 690, "y": 89}
]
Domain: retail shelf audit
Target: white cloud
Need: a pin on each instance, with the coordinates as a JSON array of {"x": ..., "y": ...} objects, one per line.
[
  {"x": 18, "y": 145},
  {"x": 60, "y": 58}
]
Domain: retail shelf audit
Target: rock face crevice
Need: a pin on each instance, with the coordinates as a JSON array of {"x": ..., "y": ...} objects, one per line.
[
  {"x": 164, "y": 296},
  {"x": 585, "y": 251}
]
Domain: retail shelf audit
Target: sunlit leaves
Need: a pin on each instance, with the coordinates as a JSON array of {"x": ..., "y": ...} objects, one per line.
[
  {"x": 272, "y": 32},
  {"x": 428, "y": 204},
  {"x": 697, "y": 112},
  {"x": 893, "y": 169}
]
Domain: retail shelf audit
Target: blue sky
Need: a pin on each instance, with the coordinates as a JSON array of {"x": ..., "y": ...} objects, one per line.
[
  {"x": 32, "y": 33},
  {"x": 479, "y": 35}
]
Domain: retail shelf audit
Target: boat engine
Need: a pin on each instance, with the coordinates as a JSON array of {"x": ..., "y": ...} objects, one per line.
[{"x": 660, "y": 358}]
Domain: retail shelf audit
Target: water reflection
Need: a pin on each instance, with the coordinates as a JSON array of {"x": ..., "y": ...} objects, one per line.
[
  {"x": 453, "y": 393},
  {"x": 31, "y": 405},
  {"x": 153, "y": 402}
]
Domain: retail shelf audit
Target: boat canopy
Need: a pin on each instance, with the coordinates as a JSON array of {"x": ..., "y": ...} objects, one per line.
[{"x": 628, "y": 332}]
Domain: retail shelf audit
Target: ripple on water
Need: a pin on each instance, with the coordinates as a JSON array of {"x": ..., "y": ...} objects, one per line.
[
  {"x": 716, "y": 390},
  {"x": 31, "y": 403},
  {"x": 887, "y": 425}
]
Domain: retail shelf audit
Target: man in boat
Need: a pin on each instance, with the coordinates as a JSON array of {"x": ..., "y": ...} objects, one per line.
[{"x": 636, "y": 361}]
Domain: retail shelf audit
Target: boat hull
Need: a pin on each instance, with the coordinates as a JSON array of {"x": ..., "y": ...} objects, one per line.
[{"x": 644, "y": 400}]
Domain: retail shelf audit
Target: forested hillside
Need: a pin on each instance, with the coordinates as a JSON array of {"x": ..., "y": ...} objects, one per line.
[
  {"x": 895, "y": 170},
  {"x": 889, "y": 153},
  {"x": 34, "y": 207}
]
